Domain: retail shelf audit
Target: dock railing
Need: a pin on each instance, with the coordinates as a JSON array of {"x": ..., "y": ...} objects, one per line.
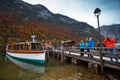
[
  {"x": 92, "y": 51},
  {"x": 90, "y": 55}
]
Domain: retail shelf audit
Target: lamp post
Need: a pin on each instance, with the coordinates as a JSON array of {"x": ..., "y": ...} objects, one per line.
[{"x": 97, "y": 12}]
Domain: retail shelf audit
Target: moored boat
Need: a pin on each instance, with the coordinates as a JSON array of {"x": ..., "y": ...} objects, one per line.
[
  {"x": 38, "y": 68},
  {"x": 28, "y": 51}
]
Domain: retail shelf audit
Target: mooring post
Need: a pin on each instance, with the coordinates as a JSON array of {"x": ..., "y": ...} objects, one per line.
[
  {"x": 101, "y": 58},
  {"x": 62, "y": 55},
  {"x": 69, "y": 50},
  {"x": 47, "y": 56},
  {"x": 80, "y": 52}
]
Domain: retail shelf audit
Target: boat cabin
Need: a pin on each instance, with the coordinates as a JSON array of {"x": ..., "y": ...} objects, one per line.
[{"x": 25, "y": 46}]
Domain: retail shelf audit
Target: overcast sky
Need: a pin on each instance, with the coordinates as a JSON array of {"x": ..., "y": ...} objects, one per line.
[{"x": 82, "y": 10}]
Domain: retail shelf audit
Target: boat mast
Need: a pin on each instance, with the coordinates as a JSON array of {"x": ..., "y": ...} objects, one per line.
[{"x": 33, "y": 38}]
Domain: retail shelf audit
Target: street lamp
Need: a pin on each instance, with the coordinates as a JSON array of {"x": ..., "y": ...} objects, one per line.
[{"x": 97, "y": 12}]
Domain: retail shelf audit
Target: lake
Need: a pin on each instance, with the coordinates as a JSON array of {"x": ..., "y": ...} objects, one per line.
[{"x": 12, "y": 69}]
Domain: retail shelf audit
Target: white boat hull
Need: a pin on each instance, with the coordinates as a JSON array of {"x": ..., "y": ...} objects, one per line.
[
  {"x": 28, "y": 66},
  {"x": 34, "y": 57}
]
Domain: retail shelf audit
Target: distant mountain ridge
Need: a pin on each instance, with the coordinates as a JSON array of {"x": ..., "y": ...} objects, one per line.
[
  {"x": 17, "y": 12},
  {"x": 112, "y": 30}
]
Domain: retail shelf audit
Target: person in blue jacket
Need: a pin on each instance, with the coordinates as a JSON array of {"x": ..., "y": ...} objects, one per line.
[
  {"x": 82, "y": 47},
  {"x": 87, "y": 45},
  {"x": 91, "y": 46},
  {"x": 91, "y": 43}
]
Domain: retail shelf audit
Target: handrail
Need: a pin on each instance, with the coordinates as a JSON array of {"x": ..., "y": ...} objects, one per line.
[{"x": 93, "y": 51}]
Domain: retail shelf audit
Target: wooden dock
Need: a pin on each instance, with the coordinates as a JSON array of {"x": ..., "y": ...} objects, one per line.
[{"x": 95, "y": 63}]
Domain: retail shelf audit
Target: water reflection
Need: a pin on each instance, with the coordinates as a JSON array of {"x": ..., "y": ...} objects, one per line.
[
  {"x": 13, "y": 69},
  {"x": 38, "y": 68}
]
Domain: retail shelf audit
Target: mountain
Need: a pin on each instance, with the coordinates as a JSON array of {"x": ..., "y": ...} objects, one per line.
[
  {"x": 19, "y": 19},
  {"x": 112, "y": 30}
]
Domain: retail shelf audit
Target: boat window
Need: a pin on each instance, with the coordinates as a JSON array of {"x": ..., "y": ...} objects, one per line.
[
  {"x": 21, "y": 47},
  {"x": 16, "y": 47},
  {"x": 36, "y": 46},
  {"x": 10, "y": 47},
  {"x": 26, "y": 47}
]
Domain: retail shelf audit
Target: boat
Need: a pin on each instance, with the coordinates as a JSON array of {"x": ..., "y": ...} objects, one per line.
[
  {"x": 28, "y": 65},
  {"x": 27, "y": 51}
]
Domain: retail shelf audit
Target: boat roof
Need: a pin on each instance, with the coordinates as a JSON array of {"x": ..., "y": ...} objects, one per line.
[{"x": 25, "y": 43}]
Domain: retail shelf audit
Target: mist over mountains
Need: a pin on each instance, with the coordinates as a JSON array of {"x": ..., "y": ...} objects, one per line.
[{"x": 112, "y": 30}]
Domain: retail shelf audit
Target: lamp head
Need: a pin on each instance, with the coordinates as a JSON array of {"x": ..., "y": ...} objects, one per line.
[{"x": 97, "y": 12}]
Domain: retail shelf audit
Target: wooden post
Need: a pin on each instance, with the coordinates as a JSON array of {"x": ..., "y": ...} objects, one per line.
[
  {"x": 47, "y": 55},
  {"x": 69, "y": 50},
  {"x": 54, "y": 53},
  {"x": 94, "y": 67},
  {"x": 101, "y": 58},
  {"x": 75, "y": 61},
  {"x": 97, "y": 68},
  {"x": 62, "y": 55},
  {"x": 80, "y": 52},
  {"x": 58, "y": 56}
]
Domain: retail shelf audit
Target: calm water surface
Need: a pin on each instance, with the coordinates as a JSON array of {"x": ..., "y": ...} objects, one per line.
[{"x": 11, "y": 69}]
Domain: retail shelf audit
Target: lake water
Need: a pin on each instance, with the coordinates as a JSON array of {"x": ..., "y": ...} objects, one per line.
[{"x": 11, "y": 69}]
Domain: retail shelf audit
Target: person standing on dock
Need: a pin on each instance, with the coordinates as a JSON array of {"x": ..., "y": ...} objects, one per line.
[
  {"x": 109, "y": 43},
  {"x": 82, "y": 47},
  {"x": 86, "y": 45},
  {"x": 91, "y": 42},
  {"x": 90, "y": 46}
]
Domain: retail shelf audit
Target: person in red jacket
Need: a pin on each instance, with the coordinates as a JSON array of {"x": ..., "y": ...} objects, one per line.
[{"x": 109, "y": 43}]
